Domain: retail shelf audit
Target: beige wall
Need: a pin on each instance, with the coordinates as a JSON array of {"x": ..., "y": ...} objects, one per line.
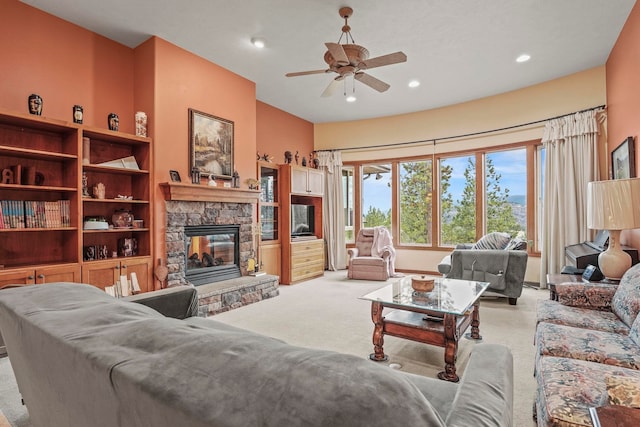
[{"x": 558, "y": 97}]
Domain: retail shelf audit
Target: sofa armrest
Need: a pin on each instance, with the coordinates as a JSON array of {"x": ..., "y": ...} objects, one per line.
[
  {"x": 353, "y": 252},
  {"x": 178, "y": 302},
  {"x": 596, "y": 296},
  {"x": 485, "y": 393}
]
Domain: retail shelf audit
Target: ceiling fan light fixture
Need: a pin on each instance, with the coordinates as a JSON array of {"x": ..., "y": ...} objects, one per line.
[
  {"x": 523, "y": 58},
  {"x": 351, "y": 98},
  {"x": 258, "y": 42},
  {"x": 414, "y": 83}
]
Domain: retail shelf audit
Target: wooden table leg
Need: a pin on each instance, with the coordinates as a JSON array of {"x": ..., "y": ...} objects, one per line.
[
  {"x": 475, "y": 323},
  {"x": 378, "y": 333},
  {"x": 450, "y": 349}
]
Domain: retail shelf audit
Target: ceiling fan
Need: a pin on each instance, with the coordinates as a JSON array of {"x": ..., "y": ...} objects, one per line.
[{"x": 350, "y": 59}]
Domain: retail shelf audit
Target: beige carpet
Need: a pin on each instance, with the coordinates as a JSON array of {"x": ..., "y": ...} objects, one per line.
[{"x": 326, "y": 313}]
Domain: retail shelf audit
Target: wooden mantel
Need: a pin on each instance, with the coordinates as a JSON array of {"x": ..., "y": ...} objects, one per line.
[{"x": 204, "y": 193}]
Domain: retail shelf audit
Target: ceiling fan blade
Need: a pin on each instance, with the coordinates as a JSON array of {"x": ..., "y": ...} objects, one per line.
[
  {"x": 338, "y": 53},
  {"x": 332, "y": 87},
  {"x": 379, "y": 61},
  {"x": 305, "y": 73},
  {"x": 372, "y": 82}
]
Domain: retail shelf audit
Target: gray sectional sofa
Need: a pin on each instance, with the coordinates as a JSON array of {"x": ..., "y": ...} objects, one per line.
[{"x": 83, "y": 358}]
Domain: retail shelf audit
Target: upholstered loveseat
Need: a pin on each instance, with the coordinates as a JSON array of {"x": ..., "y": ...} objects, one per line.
[
  {"x": 496, "y": 258},
  {"x": 83, "y": 358},
  {"x": 588, "y": 350}
]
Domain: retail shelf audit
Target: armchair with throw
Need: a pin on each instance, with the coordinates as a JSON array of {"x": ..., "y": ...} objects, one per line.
[
  {"x": 373, "y": 258},
  {"x": 496, "y": 258}
]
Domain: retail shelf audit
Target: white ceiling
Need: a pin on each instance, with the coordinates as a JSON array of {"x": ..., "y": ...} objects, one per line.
[{"x": 459, "y": 49}]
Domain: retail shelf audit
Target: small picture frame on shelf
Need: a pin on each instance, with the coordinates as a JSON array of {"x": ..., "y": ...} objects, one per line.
[{"x": 175, "y": 176}]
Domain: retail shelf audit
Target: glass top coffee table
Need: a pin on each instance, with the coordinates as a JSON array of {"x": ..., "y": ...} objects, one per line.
[{"x": 438, "y": 317}]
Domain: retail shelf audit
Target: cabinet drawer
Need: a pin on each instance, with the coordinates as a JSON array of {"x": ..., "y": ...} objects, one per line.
[
  {"x": 311, "y": 245},
  {"x": 306, "y": 272}
]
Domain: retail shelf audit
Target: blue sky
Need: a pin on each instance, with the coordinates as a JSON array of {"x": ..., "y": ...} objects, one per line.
[{"x": 510, "y": 164}]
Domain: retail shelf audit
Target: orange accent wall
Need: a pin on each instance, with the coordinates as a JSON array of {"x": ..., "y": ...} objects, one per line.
[
  {"x": 279, "y": 131},
  {"x": 65, "y": 65},
  {"x": 623, "y": 97}
]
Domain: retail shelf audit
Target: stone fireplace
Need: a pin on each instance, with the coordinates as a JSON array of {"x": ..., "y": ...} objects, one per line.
[{"x": 202, "y": 225}]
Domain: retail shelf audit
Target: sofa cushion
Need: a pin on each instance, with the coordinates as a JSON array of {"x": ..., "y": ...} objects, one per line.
[
  {"x": 516, "y": 245},
  {"x": 626, "y": 301},
  {"x": 370, "y": 260},
  {"x": 568, "y": 387},
  {"x": 554, "y": 312},
  {"x": 493, "y": 240},
  {"x": 586, "y": 344},
  {"x": 623, "y": 391}
]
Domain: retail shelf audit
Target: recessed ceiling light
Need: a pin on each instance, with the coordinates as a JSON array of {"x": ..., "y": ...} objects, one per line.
[
  {"x": 523, "y": 58},
  {"x": 258, "y": 42},
  {"x": 414, "y": 83},
  {"x": 351, "y": 98}
]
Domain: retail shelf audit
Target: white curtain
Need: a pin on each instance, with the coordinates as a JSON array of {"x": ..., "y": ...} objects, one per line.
[
  {"x": 571, "y": 146},
  {"x": 333, "y": 209}
]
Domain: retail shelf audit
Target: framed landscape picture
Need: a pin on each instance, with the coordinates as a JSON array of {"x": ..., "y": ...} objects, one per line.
[
  {"x": 623, "y": 160},
  {"x": 211, "y": 144}
]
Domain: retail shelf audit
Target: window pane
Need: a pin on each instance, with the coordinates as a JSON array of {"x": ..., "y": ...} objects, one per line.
[
  {"x": 348, "y": 202},
  {"x": 506, "y": 192},
  {"x": 457, "y": 200},
  {"x": 376, "y": 195},
  {"x": 415, "y": 202}
]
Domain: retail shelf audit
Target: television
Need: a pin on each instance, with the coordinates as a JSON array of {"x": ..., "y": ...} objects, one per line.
[{"x": 302, "y": 220}]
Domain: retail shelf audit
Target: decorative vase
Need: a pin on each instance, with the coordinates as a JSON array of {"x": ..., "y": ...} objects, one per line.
[
  {"x": 35, "y": 104},
  {"x": 141, "y": 123},
  {"x": 77, "y": 114},
  {"x": 113, "y": 121}
]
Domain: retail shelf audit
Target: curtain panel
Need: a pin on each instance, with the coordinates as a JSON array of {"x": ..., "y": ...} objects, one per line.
[{"x": 333, "y": 210}]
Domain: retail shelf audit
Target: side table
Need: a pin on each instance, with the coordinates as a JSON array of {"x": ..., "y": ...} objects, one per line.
[{"x": 615, "y": 416}]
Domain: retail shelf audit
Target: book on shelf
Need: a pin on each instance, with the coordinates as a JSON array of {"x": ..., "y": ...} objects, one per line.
[{"x": 35, "y": 214}]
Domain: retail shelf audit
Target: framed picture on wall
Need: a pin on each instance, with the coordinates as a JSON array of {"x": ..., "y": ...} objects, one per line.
[
  {"x": 623, "y": 160},
  {"x": 211, "y": 144}
]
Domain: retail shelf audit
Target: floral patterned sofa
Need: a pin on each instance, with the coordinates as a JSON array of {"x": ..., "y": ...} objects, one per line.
[{"x": 588, "y": 350}]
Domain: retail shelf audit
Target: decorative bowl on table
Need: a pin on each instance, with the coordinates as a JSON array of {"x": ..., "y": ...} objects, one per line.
[{"x": 423, "y": 283}]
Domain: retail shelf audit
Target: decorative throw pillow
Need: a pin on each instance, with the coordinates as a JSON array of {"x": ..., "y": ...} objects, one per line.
[
  {"x": 493, "y": 240},
  {"x": 623, "y": 390},
  {"x": 516, "y": 245}
]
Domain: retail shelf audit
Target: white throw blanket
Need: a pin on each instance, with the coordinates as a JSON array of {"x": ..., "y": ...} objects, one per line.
[{"x": 382, "y": 241}]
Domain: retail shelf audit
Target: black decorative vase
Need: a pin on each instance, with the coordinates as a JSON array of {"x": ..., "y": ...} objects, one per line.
[{"x": 35, "y": 104}]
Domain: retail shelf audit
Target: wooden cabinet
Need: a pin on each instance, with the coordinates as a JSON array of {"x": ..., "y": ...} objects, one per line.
[
  {"x": 107, "y": 272},
  {"x": 306, "y": 181},
  {"x": 306, "y": 260},
  {"x": 269, "y": 214},
  {"x": 302, "y": 253},
  {"x": 127, "y": 187},
  {"x": 41, "y": 275},
  {"x": 43, "y": 199}
]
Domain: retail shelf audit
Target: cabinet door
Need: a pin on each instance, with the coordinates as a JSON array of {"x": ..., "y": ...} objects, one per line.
[
  {"x": 315, "y": 182},
  {"x": 142, "y": 267},
  {"x": 270, "y": 259},
  {"x": 17, "y": 277},
  {"x": 101, "y": 273},
  {"x": 299, "y": 180},
  {"x": 58, "y": 274}
]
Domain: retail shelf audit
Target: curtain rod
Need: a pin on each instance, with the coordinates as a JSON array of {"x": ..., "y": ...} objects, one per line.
[{"x": 436, "y": 140}]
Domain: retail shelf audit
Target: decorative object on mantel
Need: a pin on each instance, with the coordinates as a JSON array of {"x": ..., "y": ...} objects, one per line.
[
  {"x": 141, "y": 123},
  {"x": 78, "y": 114},
  {"x": 175, "y": 176},
  {"x": 211, "y": 144},
  {"x": 113, "y": 121},
  {"x": 235, "y": 182},
  {"x": 195, "y": 175},
  {"x": 304, "y": 161},
  {"x": 35, "y": 104},
  {"x": 252, "y": 183},
  {"x": 267, "y": 158},
  {"x": 297, "y": 157},
  {"x": 288, "y": 157},
  {"x": 212, "y": 181}
]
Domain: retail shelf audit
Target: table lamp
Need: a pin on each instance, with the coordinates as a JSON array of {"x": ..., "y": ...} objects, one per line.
[{"x": 614, "y": 206}]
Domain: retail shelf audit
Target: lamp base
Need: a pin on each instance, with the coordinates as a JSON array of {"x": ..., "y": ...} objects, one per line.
[{"x": 614, "y": 262}]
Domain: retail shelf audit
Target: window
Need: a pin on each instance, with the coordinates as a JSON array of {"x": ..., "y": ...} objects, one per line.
[
  {"x": 506, "y": 192},
  {"x": 416, "y": 202},
  {"x": 457, "y": 200},
  {"x": 376, "y": 195},
  {"x": 348, "y": 186}
]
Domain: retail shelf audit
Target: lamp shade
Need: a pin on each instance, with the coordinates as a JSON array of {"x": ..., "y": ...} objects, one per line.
[{"x": 613, "y": 204}]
